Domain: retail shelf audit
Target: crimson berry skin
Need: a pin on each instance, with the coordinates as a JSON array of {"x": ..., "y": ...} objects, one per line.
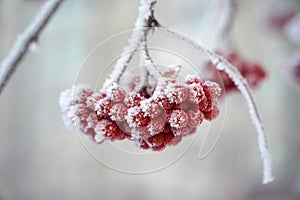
[
  {"x": 178, "y": 119},
  {"x": 118, "y": 112},
  {"x": 108, "y": 128},
  {"x": 156, "y": 140}
]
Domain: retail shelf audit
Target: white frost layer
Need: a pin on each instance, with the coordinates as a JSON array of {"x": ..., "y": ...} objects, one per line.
[{"x": 22, "y": 42}]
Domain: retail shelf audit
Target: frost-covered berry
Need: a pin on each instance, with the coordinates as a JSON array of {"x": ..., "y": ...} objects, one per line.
[
  {"x": 165, "y": 102},
  {"x": 211, "y": 89},
  {"x": 136, "y": 117},
  {"x": 156, "y": 125},
  {"x": 133, "y": 99},
  {"x": 141, "y": 132},
  {"x": 179, "y": 93},
  {"x": 178, "y": 119},
  {"x": 116, "y": 93},
  {"x": 212, "y": 114},
  {"x": 118, "y": 112},
  {"x": 196, "y": 93},
  {"x": 103, "y": 107},
  {"x": 151, "y": 108},
  {"x": 195, "y": 117},
  {"x": 156, "y": 140},
  {"x": 93, "y": 99},
  {"x": 141, "y": 143},
  {"x": 180, "y": 131},
  {"x": 107, "y": 128},
  {"x": 192, "y": 80}
]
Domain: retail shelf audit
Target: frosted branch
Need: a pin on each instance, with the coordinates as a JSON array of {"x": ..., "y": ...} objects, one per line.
[
  {"x": 25, "y": 40},
  {"x": 143, "y": 23},
  {"x": 148, "y": 62},
  {"x": 242, "y": 85}
]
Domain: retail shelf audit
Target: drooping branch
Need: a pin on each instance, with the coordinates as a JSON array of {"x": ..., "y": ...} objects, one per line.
[
  {"x": 21, "y": 46},
  {"x": 242, "y": 85},
  {"x": 143, "y": 23}
]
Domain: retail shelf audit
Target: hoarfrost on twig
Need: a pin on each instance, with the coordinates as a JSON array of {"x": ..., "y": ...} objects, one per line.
[
  {"x": 242, "y": 85},
  {"x": 25, "y": 40}
]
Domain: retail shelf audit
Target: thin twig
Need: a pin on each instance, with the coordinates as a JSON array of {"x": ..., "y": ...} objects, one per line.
[
  {"x": 143, "y": 23},
  {"x": 242, "y": 85},
  {"x": 22, "y": 44}
]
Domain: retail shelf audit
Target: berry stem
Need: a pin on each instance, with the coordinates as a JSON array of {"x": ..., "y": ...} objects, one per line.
[
  {"x": 143, "y": 23},
  {"x": 242, "y": 85},
  {"x": 153, "y": 71}
]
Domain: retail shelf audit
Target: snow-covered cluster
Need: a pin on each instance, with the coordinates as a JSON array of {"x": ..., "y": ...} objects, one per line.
[{"x": 152, "y": 121}]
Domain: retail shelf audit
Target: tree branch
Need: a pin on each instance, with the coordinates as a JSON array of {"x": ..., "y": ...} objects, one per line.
[
  {"x": 143, "y": 23},
  {"x": 242, "y": 85},
  {"x": 23, "y": 42}
]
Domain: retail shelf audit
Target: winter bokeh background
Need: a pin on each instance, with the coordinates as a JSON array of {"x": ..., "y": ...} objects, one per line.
[{"x": 41, "y": 159}]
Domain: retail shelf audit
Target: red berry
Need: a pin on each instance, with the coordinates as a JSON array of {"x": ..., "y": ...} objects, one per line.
[
  {"x": 116, "y": 93},
  {"x": 178, "y": 119},
  {"x": 142, "y": 144},
  {"x": 196, "y": 93},
  {"x": 212, "y": 114},
  {"x": 134, "y": 99},
  {"x": 156, "y": 125},
  {"x": 118, "y": 112},
  {"x": 108, "y": 128},
  {"x": 151, "y": 108},
  {"x": 179, "y": 94},
  {"x": 180, "y": 131},
  {"x": 195, "y": 117},
  {"x": 136, "y": 117},
  {"x": 165, "y": 102},
  {"x": 211, "y": 89},
  {"x": 175, "y": 141},
  {"x": 103, "y": 107},
  {"x": 192, "y": 80},
  {"x": 141, "y": 132},
  {"x": 156, "y": 140}
]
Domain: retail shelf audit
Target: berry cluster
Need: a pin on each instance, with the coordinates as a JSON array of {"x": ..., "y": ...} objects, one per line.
[
  {"x": 153, "y": 121},
  {"x": 251, "y": 71}
]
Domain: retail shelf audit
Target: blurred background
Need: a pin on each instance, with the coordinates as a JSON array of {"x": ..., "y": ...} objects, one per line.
[{"x": 41, "y": 159}]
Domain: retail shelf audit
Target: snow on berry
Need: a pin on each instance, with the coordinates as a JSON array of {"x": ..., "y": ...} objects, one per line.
[
  {"x": 195, "y": 117},
  {"x": 133, "y": 99},
  {"x": 151, "y": 108},
  {"x": 141, "y": 132},
  {"x": 192, "y": 80},
  {"x": 180, "y": 131},
  {"x": 93, "y": 99},
  {"x": 156, "y": 125},
  {"x": 211, "y": 88},
  {"x": 196, "y": 93},
  {"x": 103, "y": 107},
  {"x": 171, "y": 111},
  {"x": 118, "y": 112},
  {"x": 212, "y": 114},
  {"x": 178, "y": 119},
  {"x": 116, "y": 93},
  {"x": 156, "y": 140},
  {"x": 136, "y": 117},
  {"x": 107, "y": 129}
]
